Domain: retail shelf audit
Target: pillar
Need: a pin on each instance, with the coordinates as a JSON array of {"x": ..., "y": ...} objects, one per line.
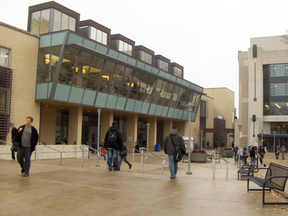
[{"x": 75, "y": 125}]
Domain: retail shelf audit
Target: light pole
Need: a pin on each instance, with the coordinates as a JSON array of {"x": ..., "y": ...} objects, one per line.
[
  {"x": 190, "y": 106},
  {"x": 201, "y": 139},
  {"x": 98, "y": 133},
  {"x": 240, "y": 136},
  {"x": 147, "y": 142},
  {"x": 274, "y": 142}
]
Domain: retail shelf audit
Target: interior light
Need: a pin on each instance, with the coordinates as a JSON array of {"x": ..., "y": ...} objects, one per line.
[{"x": 105, "y": 77}]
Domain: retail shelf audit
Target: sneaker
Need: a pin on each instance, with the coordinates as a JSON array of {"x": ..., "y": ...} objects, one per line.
[
  {"x": 130, "y": 166},
  {"x": 25, "y": 175},
  {"x": 173, "y": 177},
  {"x": 22, "y": 171}
]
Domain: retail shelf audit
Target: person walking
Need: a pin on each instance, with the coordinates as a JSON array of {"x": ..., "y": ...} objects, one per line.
[
  {"x": 283, "y": 149},
  {"x": 236, "y": 158},
  {"x": 208, "y": 143},
  {"x": 15, "y": 143},
  {"x": 261, "y": 152},
  {"x": 240, "y": 154},
  {"x": 252, "y": 155},
  {"x": 169, "y": 149},
  {"x": 27, "y": 137},
  {"x": 123, "y": 155},
  {"x": 113, "y": 142},
  {"x": 277, "y": 151}
]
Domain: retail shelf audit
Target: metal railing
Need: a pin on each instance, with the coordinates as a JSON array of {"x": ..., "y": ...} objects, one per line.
[
  {"x": 88, "y": 150},
  {"x": 141, "y": 151},
  {"x": 61, "y": 152},
  {"x": 214, "y": 155}
]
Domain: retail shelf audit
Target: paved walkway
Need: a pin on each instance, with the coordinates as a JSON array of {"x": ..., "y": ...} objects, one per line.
[{"x": 71, "y": 190}]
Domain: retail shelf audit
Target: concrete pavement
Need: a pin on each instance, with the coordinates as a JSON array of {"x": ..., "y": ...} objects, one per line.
[{"x": 69, "y": 189}]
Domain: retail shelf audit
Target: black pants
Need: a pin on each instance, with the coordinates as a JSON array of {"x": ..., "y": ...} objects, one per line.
[{"x": 23, "y": 157}]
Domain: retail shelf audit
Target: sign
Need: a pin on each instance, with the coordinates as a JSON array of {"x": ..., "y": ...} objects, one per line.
[{"x": 129, "y": 138}]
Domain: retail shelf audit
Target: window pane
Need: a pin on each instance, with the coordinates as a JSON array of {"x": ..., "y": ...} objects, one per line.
[
  {"x": 125, "y": 82},
  {"x": 45, "y": 17},
  {"x": 55, "y": 51},
  {"x": 69, "y": 59},
  {"x": 4, "y": 56},
  {"x": 35, "y": 21},
  {"x": 157, "y": 91},
  {"x": 82, "y": 69},
  {"x": 107, "y": 75},
  {"x": 57, "y": 20},
  {"x": 115, "y": 82},
  {"x": 279, "y": 70},
  {"x": 44, "y": 59},
  {"x": 93, "y": 33},
  {"x": 96, "y": 67},
  {"x": 134, "y": 85},
  {"x": 104, "y": 38},
  {"x": 279, "y": 89},
  {"x": 64, "y": 21},
  {"x": 99, "y": 36},
  {"x": 72, "y": 23}
]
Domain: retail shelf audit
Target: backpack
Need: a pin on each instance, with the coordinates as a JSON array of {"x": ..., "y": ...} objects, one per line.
[{"x": 112, "y": 139}]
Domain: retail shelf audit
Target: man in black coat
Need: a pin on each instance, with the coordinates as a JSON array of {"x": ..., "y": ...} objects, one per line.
[
  {"x": 27, "y": 137},
  {"x": 113, "y": 142}
]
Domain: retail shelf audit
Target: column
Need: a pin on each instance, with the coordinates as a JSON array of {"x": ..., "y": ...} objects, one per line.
[{"x": 75, "y": 125}]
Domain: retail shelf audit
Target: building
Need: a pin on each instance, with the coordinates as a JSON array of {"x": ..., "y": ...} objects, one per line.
[
  {"x": 77, "y": 74},
  {"x": 216, "y": 119},
  {"x": 263, "y": 95}
]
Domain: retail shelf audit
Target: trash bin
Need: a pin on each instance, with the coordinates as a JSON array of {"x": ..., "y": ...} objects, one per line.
[{"x": 157, "y": 147}]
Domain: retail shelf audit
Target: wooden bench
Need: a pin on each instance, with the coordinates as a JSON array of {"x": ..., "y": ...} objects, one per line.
[{"x": 275, "y": 178}]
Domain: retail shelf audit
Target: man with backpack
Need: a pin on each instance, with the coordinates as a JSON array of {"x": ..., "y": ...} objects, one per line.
[{"x": 113, "y": 142}]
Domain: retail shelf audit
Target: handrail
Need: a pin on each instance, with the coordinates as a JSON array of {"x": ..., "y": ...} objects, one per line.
[
  {"x": 89, "y": 147},
  {"x": 142, "y": 153},
  {"x": 6, "y": 142},
  {"x": 61, "y": 152},
  {"x": 133, "y": 151},
  {"x": 214, "y": 153}
]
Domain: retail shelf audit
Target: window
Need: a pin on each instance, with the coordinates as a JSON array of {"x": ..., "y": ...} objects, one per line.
[
  {"x": 162, "y": 65},
  {"x": 125, "y": 47},
  {"x": 97, "y": 35},
  {"x": 4, "y": 56},
  {"x": 143, "y": 56},
  {"x": 62, "y": 21},
  {"x": 177, "y": 72}
]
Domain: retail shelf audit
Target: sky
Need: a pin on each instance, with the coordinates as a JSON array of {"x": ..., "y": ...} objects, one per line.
[{"x": 202, "y": 36}]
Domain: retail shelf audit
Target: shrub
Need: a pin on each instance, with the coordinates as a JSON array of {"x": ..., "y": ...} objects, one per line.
[{"x": 199, "y": 151}]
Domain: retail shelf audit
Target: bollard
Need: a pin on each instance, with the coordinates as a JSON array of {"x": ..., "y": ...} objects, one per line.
[{"x": 141, "y": 160}]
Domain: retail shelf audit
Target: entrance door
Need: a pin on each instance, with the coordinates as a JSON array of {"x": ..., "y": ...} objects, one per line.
[
  {"x": 160, "y": 133},
  {"x": 93, "y": 136}
]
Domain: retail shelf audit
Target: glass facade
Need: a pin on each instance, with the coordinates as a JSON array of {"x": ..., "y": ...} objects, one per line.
[
  {"x": 92, "y": 78},
  {"x": 275, "y": 89},
  {"x": 49, "y": 20},
  {"x": 98, "y": 35}
]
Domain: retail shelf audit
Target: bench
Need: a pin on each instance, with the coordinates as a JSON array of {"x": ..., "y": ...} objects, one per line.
[
  {"x": 275, "y": 178},
  {"x": 244, "y": 170}
]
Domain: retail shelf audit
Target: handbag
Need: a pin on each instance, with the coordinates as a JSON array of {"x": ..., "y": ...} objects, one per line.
[{"x": 178, "y": 155}]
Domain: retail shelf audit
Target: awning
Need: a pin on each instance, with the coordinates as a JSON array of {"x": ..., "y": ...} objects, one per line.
[{"x": 284, "y": 136}]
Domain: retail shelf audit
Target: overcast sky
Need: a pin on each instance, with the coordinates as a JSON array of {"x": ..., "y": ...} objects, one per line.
[{"x": 202, "y": 36}]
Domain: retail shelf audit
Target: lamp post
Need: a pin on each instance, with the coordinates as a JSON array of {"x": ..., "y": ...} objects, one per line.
[
  {"x": 240, "y": 136},
  {"x": 190, "y": 106},
  {"x": 274, "y": 142},
  {"x": 98, "y": 133},
  {"x": 147, "y": 141}
]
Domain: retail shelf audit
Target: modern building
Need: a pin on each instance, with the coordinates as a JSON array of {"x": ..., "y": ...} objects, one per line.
[
  {"x": 75, "y": 79},
  {"x": 263, "y": 94}
]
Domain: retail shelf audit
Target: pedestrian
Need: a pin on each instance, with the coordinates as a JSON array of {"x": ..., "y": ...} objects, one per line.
[
  {"x": 236, "y": 154},
  {"x": 261, "y": 152},
  {"x": 240, "y": 154},
  {"x": 169, "y": 144},
  {"x": 283, "y": 149},
  {"x": 277, "y": 151},
  {"x": 103, "y": 150},
  {"x": 123, "y": 155},
  {"x": 27, "y": 136},
  {"x": 245, "y": 155},
  {"x": 222, "y": 144},
  {"x": 232, "y": 145},
  {"x": 15, "y": 143},
  {"x": 113, "y": 142},
  {"x": 208, "y": 143},
  {"x": 215, "y": 145},
  {"x": 252, "y": 155}
]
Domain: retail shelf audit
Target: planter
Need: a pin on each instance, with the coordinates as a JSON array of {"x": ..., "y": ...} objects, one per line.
[
  {"x": 226, "y": 153},
  {"x": 198, "y": 157}
]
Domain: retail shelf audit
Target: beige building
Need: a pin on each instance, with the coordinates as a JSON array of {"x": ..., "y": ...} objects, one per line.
[{"x": 263, "y": 93}]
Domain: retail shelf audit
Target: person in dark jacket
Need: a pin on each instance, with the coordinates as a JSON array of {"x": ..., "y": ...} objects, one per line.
[
  {"x": 252, "y": 155},
  {"x": 27, "y": 136},
  {"x": 169, "y": 149},
  {"x": 123, "y": 155},
  {"x": 15, "y": 143},
  {"x": 261, "y": 152},
  {"x": 113, "y": 148}
]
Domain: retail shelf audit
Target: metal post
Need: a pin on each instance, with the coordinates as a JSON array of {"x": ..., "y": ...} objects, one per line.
[
  {"x": 190, "y": 105},
  {"x": 133, "y": 151},
  {"x": 201, "y": 139},
  {"x": 82, "y": 148},
  {"x": 98, "y": 134},
  {"x": 147, "y": 142},
  {"x": 213, "y": 163},
  {"x": 60, "y": 158},
  {"x": 227, "y": 169},
  {"x": 141, "y": 160},
  {"x": 240, "y": 136},
  {"x": 274, "y": 142},
  {"x": 35, "y": 154}
]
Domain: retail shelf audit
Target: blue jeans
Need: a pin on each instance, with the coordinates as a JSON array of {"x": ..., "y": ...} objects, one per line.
[
  {"x": 120, "y": 161},
  {"x": 283, "y": 155},
  {"x": 173, "y": 166},
  {"x": 24, "y": 158},
  {"x": 253, "y": 161},
  {"x": 112, "y": 156}
]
